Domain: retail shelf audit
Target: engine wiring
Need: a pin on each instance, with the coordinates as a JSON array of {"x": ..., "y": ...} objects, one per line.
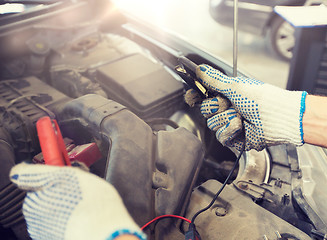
[
  {"x": 163, "y": 217},
  {"x": 192, "y": 233},
  {"x": 222, "y": 187}
]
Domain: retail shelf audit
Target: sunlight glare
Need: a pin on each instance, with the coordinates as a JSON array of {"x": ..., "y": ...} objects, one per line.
[{"x": 153, "y": 11}]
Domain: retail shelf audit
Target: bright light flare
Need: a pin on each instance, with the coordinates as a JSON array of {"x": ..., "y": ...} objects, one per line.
[
  {"x": 153, "y": 11},
  {"x": 11, "y": 8}
]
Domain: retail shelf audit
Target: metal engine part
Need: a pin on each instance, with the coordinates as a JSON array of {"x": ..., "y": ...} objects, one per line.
[
  {"x": 273, "y": 184},
  {"x": 235, "y": 216}
]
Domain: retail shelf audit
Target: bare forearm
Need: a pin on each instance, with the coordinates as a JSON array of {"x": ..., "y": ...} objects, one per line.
[{"x": 315, "y": 121}]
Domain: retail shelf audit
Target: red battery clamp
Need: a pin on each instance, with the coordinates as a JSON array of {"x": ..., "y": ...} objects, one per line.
[{"x": 51, "y": 142}]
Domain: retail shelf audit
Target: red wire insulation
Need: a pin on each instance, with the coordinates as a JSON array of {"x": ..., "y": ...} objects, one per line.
[{"x": 164, "y": 216}]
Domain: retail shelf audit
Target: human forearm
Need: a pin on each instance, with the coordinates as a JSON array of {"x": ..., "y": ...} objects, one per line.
[
  {"x": 315, "y": 121},
  {"x": 270, "y": 115}
]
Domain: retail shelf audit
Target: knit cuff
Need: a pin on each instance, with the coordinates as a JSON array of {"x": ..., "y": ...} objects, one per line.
[
  {"x": 302, "y": 110},
  {"x": 120, "y": 232},
  {"x": 282, "y": 116}
]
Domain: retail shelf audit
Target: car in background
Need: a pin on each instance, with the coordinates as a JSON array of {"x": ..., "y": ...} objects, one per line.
[{"x": 258, "y": 17}]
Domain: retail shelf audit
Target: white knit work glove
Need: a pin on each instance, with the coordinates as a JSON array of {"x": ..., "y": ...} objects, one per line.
[
  {"x": 271, "y": 115},
  {"x": 69, "y": 203}
]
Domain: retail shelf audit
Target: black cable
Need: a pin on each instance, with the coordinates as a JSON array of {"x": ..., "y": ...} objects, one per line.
[{"x": 221, "y": 189}]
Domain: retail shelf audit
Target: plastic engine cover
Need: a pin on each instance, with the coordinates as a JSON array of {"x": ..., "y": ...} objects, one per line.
[
  {"x": 142, "y": 85},
  {"x": 124, "y": 71},
  {"x": 143, "y": 165}
]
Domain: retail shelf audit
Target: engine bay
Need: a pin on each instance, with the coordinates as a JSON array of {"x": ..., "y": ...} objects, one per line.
[{"x": 109, "y": 83}]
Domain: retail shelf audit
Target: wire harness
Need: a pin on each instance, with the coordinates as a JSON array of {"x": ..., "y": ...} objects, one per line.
[{"x": 192, "y": 233}]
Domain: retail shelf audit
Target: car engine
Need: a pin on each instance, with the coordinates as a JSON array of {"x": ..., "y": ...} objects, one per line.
[{"x": 108, "y": 81}]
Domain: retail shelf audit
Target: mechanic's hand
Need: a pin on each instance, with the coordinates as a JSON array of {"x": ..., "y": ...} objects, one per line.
[
  {"x": 69, "y": 203},
  {"x": 271, "y": 115}
]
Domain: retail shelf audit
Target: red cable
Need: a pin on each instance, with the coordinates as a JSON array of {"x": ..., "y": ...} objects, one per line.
[{"x": 164, "y": 216}]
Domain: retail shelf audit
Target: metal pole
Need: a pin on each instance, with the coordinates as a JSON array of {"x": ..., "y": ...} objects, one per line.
[{"x": 235, "y": 38}]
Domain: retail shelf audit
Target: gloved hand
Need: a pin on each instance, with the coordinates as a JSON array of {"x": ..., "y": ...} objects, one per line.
[
  {"x": 69, "y": 203},
  {"x": 271, "y": 115}
]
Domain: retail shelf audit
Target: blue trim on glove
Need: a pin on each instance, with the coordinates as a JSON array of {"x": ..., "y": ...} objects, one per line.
[
  {"x": 302, "y": 110},
  {"x": 117, "y": 233}
]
